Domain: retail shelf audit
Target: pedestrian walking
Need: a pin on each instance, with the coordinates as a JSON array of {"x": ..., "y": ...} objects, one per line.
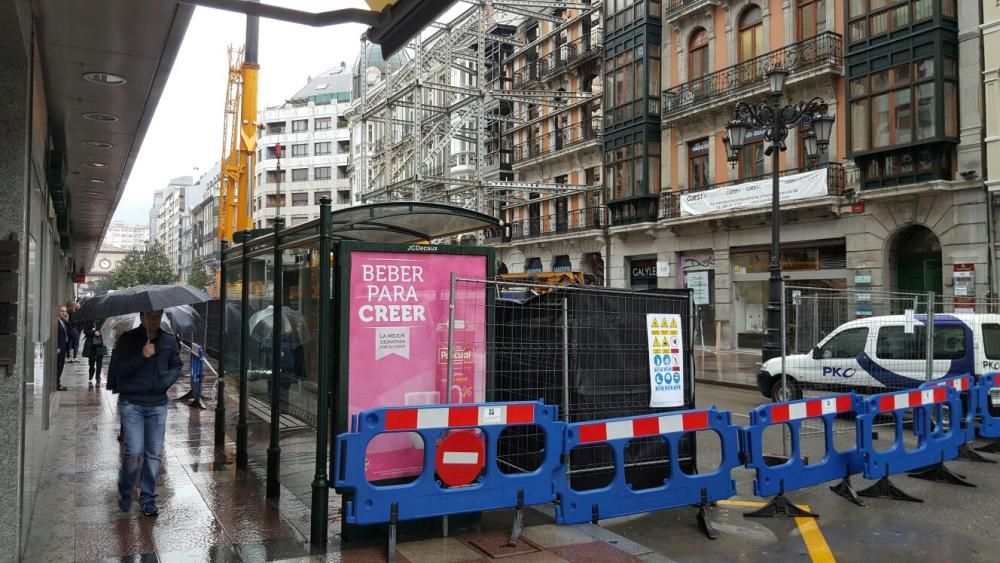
[
  {"x": 74, "y": 334},
  {"x": 145, "y": 363},
  {"x": 94, "y": 350},
  {"x": 62, "y": 344}
]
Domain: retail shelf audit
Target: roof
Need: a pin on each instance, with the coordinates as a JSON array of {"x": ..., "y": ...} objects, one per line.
[{"x": 336, "y": 79}]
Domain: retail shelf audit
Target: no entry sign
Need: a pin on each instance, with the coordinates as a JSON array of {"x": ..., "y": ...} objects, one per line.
[{"x": 461, "y": 455}]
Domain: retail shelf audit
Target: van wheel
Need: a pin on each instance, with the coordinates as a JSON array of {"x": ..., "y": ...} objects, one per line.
[{"x": 781, "y": 394}]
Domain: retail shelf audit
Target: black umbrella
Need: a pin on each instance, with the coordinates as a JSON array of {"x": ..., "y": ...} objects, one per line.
[
  {"x": 139, "y": 299},
  {"x": 184, "y": 320}
]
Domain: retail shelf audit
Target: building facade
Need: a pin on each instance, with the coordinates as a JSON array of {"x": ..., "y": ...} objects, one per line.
[
  {"x": 205, "y": 222},
  {"x": 170, "y": 220},
  {"x": 316, "y": 146},
  {"x": 128, "y": 236},
  {"x": 990, "y": 30},
  {"x": 154, "y": 215}
]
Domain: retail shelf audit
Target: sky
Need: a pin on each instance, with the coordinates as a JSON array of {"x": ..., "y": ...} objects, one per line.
[{"x": 185, "y": 135}]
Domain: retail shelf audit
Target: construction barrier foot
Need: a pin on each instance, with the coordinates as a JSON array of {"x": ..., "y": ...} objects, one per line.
[
  {"x": 780, "y": 506},
  {"x": 938, "y": 473},
  {"x": 705, "y": 523},
  {"x": 846, "y": 490},
  {"x": 966, "y": 453},
  {"x": 518, "y": 527},
  {"x": 393, "y": 518},
  {"x": 991, "y": 448},
  {"x": 884, "y": 488}
]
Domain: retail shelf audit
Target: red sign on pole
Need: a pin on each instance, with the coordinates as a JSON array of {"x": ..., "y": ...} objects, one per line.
[{"x": 461, "y": 456}]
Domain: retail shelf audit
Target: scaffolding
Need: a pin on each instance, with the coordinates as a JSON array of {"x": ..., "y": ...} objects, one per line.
[{"x": 438, "y": 129}]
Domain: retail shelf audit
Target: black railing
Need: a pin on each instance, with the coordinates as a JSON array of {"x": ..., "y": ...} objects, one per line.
[
  {"x": 586, "y": 219},
  {"x": 825, "y": 48},
  {"x": 670, "y": 201},
  {"x": 561, "y": 58},
  {"x": 562, "y": 138}
]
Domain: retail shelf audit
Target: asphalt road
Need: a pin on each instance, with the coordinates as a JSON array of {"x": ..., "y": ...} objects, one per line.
[{"x": 953, "y": 523}]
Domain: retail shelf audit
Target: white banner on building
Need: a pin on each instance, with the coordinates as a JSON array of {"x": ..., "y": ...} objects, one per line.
[
  {"x": 666, "y": 360},
  {"x": 755, "y": 194}
]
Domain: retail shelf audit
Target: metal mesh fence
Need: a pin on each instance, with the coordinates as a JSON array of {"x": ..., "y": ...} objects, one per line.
[{"x": 585, "y": 350}]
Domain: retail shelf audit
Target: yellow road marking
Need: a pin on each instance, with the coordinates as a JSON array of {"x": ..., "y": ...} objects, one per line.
[{"x": 819, "y": 550}]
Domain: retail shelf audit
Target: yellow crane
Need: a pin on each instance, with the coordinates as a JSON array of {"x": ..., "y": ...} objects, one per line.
[{"x": 239, "y": 142}]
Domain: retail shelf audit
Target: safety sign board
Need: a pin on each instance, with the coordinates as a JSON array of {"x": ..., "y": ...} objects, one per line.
[
  {"x": 666, "y": 360},
  {"x": 460, "y": 458}
]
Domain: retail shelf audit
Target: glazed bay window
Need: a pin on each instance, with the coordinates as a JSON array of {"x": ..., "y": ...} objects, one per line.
[
  {"x": 632, "y": 84},
  {"x": 626, "y": 170},
  {"x": 868, "y": 19}
]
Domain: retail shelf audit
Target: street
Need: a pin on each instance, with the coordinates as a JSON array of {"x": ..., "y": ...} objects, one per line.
[{"x": 952, "y": 524}]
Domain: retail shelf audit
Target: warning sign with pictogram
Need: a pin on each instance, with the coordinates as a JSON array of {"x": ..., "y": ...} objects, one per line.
[
  {"x": 666, "y": 360},
  {"x": 461, "y": 456}
]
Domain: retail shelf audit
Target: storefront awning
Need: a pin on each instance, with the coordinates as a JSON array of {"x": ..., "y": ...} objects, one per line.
[{"x": 402, "y": 222}]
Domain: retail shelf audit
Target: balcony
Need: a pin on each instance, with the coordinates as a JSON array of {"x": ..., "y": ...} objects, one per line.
[
  {"x": 674, "y": 10},
  {"x": 635, "y": 209},
  {"x": 799, "y": 184},
  {"x": 576, "y": 221},
  {"x": 552, "y": 144},
  {"x": 564, "y": 57},
  {"x": 805, "y": 59}
]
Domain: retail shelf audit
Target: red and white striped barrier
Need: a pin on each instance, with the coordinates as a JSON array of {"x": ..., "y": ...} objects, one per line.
[
  {"x": 645, "y": 426},
  {"x": 911, "y": 399},
  {"x": 811, "y": 409},
  {"x": 458, "y": 417}
]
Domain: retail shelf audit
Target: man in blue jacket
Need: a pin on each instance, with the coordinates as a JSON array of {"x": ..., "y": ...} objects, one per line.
[{"x": 144, "y": 364}]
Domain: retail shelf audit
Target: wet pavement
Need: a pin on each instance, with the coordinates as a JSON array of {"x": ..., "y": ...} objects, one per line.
[
  {"x": 211, "y": 512},
  {"x": 738, "y": 369}
]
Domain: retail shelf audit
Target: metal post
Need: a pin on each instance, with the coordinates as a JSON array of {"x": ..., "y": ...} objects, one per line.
[
  {"x": 274, "y": 448},
  {"x": 242, "y": 458},
  {"x": 220, "y": 379},
  {"x": 784, "y": 372},
  {"x": 451, "y": 335},
  {"x": 565, "y": 370},
  {"x": 772, "y": 344},
  {"x": 930, "y": 335},
  {"x": 320, "y": 485}
]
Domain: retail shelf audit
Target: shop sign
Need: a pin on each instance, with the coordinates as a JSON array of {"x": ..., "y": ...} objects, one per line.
[
  {"x": 698, "y": 262},
  {"x": 666, "y": 360},
  {"x": 805, "y": 185},
  {"x": 643, "y": 272},
  {"x": 398, "y": 344},
  {"x": 662, "y": 269},
  {"x": 964, "y": 275}
]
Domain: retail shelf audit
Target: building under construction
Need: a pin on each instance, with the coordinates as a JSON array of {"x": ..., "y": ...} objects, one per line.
[{"x": 498, "y": 110}]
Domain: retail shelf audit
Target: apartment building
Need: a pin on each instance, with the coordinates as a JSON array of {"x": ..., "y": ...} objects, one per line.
[
  {"x": 205, "y": 222},
  {"x": 126, "y": 236},
  {"x": 315, "y": 152},
  {"x": 170, "y": 219}
]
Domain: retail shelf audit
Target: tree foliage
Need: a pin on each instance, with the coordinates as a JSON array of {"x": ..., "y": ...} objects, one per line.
[
  {"x": 139, "y": 267},
  {"x": 197, "y": 276}
]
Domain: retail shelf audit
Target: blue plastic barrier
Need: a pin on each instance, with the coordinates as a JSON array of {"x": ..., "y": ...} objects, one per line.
[
  {"x": 934, "y": 446},
  {"x": 989, "y": 426},
  {"x": 679, "y": 489},
  {"x": 795, "y": 474},
  {"x": 426, "y": 496},
  {"x": 967, "y": 394},
  {"x": 197, "y": 369}
]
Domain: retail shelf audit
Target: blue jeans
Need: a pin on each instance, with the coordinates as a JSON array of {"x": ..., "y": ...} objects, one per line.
[{"x": 144, "y": 429}]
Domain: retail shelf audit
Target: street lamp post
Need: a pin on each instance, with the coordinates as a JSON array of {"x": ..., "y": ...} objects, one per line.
[{"x": 776, "y": 119}]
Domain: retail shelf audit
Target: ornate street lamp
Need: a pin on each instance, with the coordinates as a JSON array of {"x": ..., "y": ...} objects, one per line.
[{"x": 776, "y": 119}]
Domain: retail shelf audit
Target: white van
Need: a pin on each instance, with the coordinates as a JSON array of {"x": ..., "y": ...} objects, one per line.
[{"x": 876, "y": 354}]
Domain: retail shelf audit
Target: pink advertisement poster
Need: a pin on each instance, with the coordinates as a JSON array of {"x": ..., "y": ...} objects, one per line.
[{"x": 399, "y": 343}]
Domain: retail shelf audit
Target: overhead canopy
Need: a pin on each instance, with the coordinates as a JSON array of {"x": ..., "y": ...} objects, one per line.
[{"x": 402, "y": 222}]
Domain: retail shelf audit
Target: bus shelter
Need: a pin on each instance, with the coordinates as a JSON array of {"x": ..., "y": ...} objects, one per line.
[{"x": 344, "y": 313}]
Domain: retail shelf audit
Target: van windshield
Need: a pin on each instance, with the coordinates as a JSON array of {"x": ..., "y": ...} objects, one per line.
[{"x": 991, "y": 340}]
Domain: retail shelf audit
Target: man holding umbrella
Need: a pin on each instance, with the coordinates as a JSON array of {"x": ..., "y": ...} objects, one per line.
[{"x": 144, "y": 365}]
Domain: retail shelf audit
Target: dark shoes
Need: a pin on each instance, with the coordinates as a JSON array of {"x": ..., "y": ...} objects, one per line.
[
  {"x": 150, "y": 510},
  {"x": 124, "y": 504},
  {"x": 61, "y": 388}
]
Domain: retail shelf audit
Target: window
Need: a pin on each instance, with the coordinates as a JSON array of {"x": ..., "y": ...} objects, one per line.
[
  {"x": 948, "y": 8},
  {"x": 272, "y": 200},
  {"x": 698, "y": 164},
  {"x": 697, "y": 56},
  {"x": 321, "y": 124},
  {"x": 751, "y": 42},
  {"x": 751, "y": 163},
  {"x": 991, "y": 341},
  {"x": 925, "y": 110},
  {"x": 317, "y": 196},
  {"x": 859, "y": 125},
  {"x": 321, "y": 173},
  {"x": 299, "y": 199},
  {"x": 895, "y": 344},
  {"x": 275, "y": 176},
  {"x": 300, "y": 150},
  {"x": 275, "y": 127},
  {"x": 341, "y": 122},
  {"x": 300, "y": 125},
  {"x": 811, "y": 18},
  {"x": 343, "y": 197},
  {"x": 322, "y": 148},
  {"x": 848, "y": 344},
  {"x": 300, "y": 174}
]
